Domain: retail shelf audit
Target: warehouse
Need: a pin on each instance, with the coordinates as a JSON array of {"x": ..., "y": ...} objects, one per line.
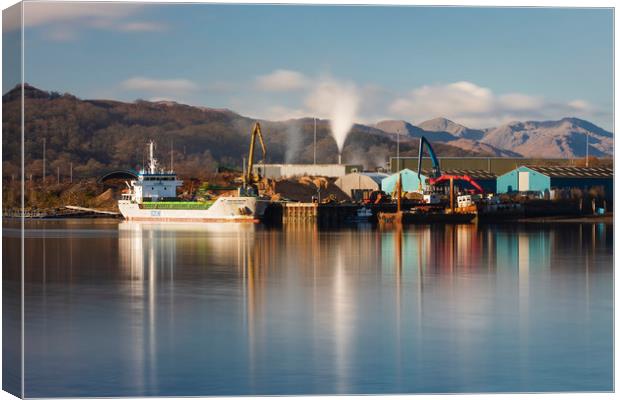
[
  {"x": 495, "y": 165},
  {"x": 276, "y": 171},
  {"x": 409, "y": 181},
  {"x": 359, "y": 185},
  {"x": 487, "y": 180},
  {"x": 544, "y": 179}
]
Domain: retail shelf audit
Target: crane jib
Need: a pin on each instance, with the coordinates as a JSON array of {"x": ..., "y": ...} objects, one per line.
[{"x": 431, "y": 153}]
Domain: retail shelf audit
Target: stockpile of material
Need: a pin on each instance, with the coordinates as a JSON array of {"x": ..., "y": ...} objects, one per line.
[{"x": 305, "y": 188}]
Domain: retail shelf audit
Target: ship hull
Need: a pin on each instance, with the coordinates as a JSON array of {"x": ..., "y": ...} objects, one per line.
[{"x": 225, "y": 209}]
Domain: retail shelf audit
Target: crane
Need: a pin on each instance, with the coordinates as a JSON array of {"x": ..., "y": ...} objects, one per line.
[
  {"x": 250, "y": 179},
  {"x": 436, "y": 175},
  {"x": 436, "y": 170},
  {"x": 466, "y": 178}
]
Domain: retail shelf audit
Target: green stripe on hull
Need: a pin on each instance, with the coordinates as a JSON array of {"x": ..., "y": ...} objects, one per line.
[{"x": 177, "y": 205}]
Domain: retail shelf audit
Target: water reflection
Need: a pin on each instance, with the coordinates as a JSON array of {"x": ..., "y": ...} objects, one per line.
[{"x": 240, "y": 309}]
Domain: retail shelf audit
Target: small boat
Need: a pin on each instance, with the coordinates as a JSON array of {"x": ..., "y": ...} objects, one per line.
[{"x": 363, "y": 214}]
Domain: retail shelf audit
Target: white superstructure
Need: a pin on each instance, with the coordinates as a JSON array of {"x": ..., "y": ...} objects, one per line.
[
  {"x": 153, "y": 197},
  {"x": 153, "y": 184}
]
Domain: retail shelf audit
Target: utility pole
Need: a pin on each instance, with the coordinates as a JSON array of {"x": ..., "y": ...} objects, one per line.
[
  {"x": 398, "y": 149},
  {"x": 44, "y": 140},
  {"x": 71, "y": 172},
  {"x": 587, "y": 148},
  {"x": 315, "y": 140},
  {"x": 171, "y": 156},
  {"x": 57, "y": 174}
]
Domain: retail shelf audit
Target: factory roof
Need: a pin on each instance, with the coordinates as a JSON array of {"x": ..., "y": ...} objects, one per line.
[
  {"x": 573, "y": 172},
  {"x": 473, "y": 173},
  {"x": 375, "y": 176}
]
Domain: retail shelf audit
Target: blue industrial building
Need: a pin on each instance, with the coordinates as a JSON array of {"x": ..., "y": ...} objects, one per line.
[
  {"x": 409, "y": 181},
  {"x": 544, "y": 179}
]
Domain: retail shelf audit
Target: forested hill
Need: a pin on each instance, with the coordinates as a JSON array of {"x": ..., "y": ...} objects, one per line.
[{"x": 100, "y": 135}]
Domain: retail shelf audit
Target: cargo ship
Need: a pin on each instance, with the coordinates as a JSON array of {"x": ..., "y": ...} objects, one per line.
[{"x": 153, "y": 197}]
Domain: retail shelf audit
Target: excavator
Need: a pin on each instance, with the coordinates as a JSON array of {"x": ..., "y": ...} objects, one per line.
[
  {"x": 250, "y": 178},
  {"x": 436, "y": 176}
]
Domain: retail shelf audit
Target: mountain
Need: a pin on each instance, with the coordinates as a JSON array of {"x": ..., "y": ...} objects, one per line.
[
  {"x": 404, "y": 127},
  {"x": 454, "y": 129},
  {"x": 565, "y": 138},
  {"x": 445, "y": 131},
  {"x": 98, "y": 135}
]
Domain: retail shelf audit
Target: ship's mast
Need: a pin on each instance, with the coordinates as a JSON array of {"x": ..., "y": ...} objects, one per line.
[{"x": 152, "y": 161}]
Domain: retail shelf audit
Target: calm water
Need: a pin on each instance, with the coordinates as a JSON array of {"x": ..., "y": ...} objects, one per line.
[{"x": 141, "y": 309}]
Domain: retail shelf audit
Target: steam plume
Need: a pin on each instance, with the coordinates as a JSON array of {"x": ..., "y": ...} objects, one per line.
[{"x": 338, "y": 102}]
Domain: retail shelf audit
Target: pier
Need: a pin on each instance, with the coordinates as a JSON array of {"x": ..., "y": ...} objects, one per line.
[{"x": 323, "y": 213}]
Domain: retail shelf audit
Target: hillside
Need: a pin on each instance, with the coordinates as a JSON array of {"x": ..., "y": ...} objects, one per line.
[
  {"x": 445, "y": 131},
  {"x": 565, "y": 138},
  {"x": 100, "y": 135}
]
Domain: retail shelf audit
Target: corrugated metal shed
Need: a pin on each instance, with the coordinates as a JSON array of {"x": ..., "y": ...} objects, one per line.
[
  {"x": 574, "y": 172},
  {"x": 544, "y": 178},
  {"x": 409, "y": 181},
  {"x": 474, "y": 173},
  {"x": 356, "y": 184},
  {"x": 496, "y": 165}
]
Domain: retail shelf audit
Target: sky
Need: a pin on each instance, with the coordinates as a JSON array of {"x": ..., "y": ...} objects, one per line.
[{"x": 481, "y": 67}]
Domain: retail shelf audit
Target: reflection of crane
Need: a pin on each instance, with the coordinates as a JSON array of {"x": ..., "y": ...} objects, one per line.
[{"x": 251, "y": 179}]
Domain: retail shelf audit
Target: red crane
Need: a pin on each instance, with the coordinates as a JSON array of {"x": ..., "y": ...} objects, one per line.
[{"x": 466, "y": 178}]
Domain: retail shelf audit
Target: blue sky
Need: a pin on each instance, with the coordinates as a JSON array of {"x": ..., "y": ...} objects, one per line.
[{"x": 477, "y": 66}]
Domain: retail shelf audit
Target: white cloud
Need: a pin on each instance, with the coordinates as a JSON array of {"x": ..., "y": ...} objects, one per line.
[
  {"x": 478, "y": 107},
  {"x": 518, "y": 101},
  {"x": 282, "y": 80},
  {"x": 42, "y": 13},
  {"x": 62, "y": 20},
  {"x": 164, "y": 86},
  {"x": 580, "y": 105}
]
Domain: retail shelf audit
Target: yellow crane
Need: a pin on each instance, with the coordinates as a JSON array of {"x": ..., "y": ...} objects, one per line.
[{"x": 251, "y": 179}]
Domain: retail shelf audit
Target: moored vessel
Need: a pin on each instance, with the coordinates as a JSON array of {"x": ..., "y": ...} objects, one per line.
[{"x": 152, "y": 197}]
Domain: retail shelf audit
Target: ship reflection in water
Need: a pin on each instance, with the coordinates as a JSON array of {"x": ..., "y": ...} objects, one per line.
[{"x": 162, "y": 309}]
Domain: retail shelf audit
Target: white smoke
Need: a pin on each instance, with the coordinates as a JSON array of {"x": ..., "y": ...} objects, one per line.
[
  {"x": 294, "y": 139},
  {"x": 338, "y": 101}
]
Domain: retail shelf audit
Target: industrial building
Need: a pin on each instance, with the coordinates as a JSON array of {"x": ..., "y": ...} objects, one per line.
[
  {"x": 275, "y": 171},
  {"x": 494, "y": 165},
  {"x": 409, "y": 181},
  {"x": 544, "y": 179},
  {"x": 487, "y": 180},
  {"x": 357, "y": 185}
]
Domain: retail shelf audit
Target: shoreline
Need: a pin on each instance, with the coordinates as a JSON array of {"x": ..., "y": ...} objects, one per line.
[{"x": 606, "y": 219}]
